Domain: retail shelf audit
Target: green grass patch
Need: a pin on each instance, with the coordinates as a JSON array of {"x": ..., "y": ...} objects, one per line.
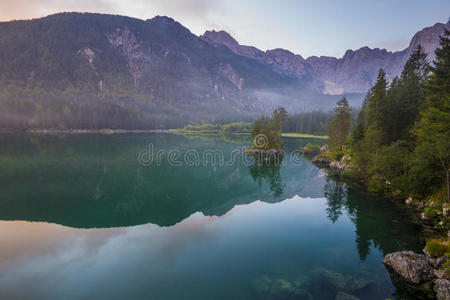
[
  {"x": 303, "y": 135},
  {"x": 438, "y": 248}
]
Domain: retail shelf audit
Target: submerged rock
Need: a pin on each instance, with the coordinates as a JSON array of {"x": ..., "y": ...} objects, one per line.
[
  {"x": 336, "y": 280},
  {"x": 261, "y": 285},
  {"x": 278, "y": 288},
  {"x": 343, "y": 283},
  {"x": 345, "y": 296}
]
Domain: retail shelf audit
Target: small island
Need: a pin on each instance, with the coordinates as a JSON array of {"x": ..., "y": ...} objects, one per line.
[{"x": 266, "y": 134}]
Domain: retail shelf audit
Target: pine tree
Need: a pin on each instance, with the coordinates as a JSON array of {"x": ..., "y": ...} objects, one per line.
[
  {"x": 340, "y": 125},
  {"x": 432, "y": 155},
  {"x": 405, "y": 97},
  {"x": 376, "y": 100}
]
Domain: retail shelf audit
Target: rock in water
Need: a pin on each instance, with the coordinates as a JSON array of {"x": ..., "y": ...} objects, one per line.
[{"x": 411, "y": 272}]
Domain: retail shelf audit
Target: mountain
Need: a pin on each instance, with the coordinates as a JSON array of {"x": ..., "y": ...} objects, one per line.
[
  {"x": 355, "y": 72},
  {"x": 82, "y": 70}
]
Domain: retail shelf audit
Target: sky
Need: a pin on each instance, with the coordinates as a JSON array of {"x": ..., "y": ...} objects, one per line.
[{"x": 305, "y": 27}]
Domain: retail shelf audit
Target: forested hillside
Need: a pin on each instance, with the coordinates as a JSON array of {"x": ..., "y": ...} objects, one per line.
[
  {"x": 400, "y": 144},
  {"x": 77, "y": 70},
  {"x": 91, "y": 71}
]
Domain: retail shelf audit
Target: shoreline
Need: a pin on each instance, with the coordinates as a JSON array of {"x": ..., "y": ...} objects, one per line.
[{"x": 172, "y": 131}]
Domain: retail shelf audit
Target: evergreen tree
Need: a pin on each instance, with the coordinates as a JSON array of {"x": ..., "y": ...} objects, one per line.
[
  {"x": 431, "y": 165},
  {"x": 340, "y": 125},
  {"x": 358, "y": 130},
  {"x": 376, "y": 101},
  {"x": 376, "y": 114},
  {"x": 279, "y": 117},
  {"x": 405, "y": 97}
]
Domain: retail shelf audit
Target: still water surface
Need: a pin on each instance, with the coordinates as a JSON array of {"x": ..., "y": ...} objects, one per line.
[{"x": 82, "y": 218}]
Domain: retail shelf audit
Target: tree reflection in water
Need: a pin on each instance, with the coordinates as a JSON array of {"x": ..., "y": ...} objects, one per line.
[
  {"x": 378, "y": 222},
  {"x": 269, "y": 171}
]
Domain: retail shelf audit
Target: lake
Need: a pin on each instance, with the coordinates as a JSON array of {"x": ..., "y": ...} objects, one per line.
[{"x": 161, "y": 216}]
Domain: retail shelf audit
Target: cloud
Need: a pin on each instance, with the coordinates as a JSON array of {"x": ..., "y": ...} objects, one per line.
[
  {"x": 199, "y": 14},
  {"x": 27, "y": 9},
  {"x": 195, "y": 14}
]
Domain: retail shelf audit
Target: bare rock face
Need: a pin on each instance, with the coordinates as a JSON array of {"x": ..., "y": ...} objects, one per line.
[
  {"x": 90, "y": 55},
  {"x": 428, "y": 38},
  {"x": 126, "y": 43},
  {"x": 229, "y": 73}
]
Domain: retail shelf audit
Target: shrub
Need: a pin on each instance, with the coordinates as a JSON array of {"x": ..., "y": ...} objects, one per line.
[
  {"x": 336, "y": 155},
  {"x": 310, "y": 149},
  {"x": 375, "y": 184},
  {"x": 430, "y": 213},
  {"x": 438, "y": 248},
  {"x": 237, "y": 128}
]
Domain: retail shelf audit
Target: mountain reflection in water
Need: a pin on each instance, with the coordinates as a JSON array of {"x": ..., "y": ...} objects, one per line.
[{"x": 118, "y": 229}]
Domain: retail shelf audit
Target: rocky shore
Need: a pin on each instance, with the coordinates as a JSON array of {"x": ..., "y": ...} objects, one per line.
[
  {"x": 324, "y": 160},
  {"x": 418, "y": 274},
  {"x": 264, "y": 152},
  {"x": 272, "y": 156}
]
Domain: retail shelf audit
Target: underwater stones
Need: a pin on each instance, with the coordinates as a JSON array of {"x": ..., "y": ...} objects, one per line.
[
  {"x": 261, "y": 285},
  {"x": 345, "y": 296},
  {"x": 336, "y": 280},
  {"x": 321, "y": 284},
  {"x": 278, "y": 288},
  {"x": 281, "y": 288},
  {"x": 343, "y": 283}
]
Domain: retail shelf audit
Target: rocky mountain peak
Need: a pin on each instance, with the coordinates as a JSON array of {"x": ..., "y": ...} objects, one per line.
[
  {"x": 428, "y": 38},
  {"x": 283, "y": 53},
  {"x": 165, "y": 23},
  {"x": 163, "y": 20},
  {"x": 221, "y": 37}
]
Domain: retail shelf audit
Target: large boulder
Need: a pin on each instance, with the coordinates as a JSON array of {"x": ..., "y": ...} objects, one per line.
[{"x": 411, "y": 272}]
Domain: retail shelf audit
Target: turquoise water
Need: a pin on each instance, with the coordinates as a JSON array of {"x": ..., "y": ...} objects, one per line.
[{"x": 83, "y": 217}]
